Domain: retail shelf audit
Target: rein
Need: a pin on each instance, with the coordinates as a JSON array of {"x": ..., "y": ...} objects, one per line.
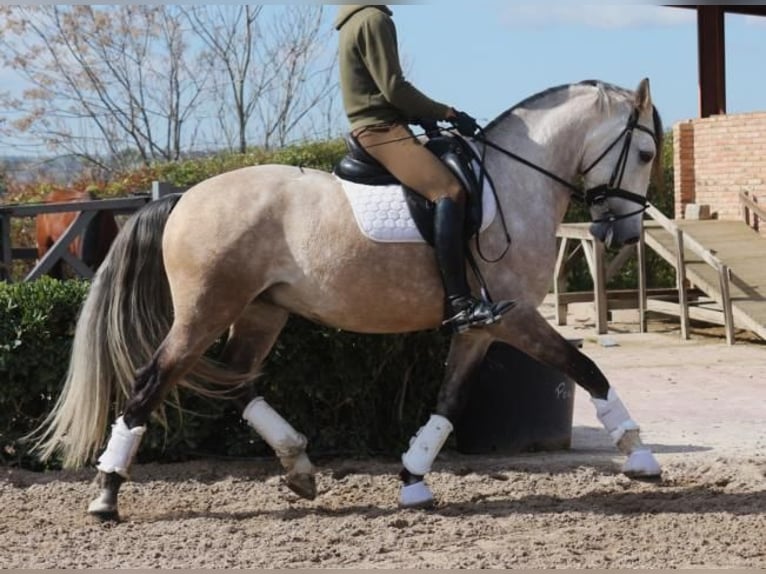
[{"x": 596, "y": 195}]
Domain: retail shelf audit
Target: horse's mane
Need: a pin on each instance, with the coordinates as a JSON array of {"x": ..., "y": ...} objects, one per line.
[
  {"x": 605, "y": 93},
  {"x": 608, "y": 95}
]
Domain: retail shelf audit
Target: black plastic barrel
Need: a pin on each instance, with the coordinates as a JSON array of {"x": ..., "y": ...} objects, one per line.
[{"x": 516, "y": 404}]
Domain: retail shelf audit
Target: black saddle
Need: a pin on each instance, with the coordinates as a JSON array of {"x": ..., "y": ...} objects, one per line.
[{"x": 360, "y": 167}]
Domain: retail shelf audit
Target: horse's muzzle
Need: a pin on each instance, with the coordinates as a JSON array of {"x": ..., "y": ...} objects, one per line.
[{"x": 615, "y": 234}]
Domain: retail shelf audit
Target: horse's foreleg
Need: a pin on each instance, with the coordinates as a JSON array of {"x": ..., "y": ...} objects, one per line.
[
  {"x": 525, "y": 329},
  {"x": 251, "y": 338},
  {"x": 466, "y": 352}
]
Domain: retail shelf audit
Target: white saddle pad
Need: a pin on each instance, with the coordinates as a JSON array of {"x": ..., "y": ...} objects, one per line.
[{"x": 382, "y": 213}]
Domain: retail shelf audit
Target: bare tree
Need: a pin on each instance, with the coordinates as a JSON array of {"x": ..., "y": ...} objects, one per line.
[
  {"x": 303, "y": 72},
  {"x": 230, "y": 34},
  {"x": 125, "y": 84},
  {"x": 269, "y": 64},
  {"x": 108, "y": 84}
]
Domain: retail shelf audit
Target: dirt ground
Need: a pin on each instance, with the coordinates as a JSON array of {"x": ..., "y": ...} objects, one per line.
[{"x": 700, "y": 403}]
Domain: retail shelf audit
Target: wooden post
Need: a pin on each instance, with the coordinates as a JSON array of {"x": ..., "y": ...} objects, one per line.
[
  {"x": 599, "y": 287},
  {"x": 642, "y": 302},
  {"x": 559, "y": 283},
  {"x": 723, "y": 277},
  {"x": 5, "y": 244},
  {"x": 59, "y": 250},
  {"x": 681, "y": 283},
  {"x": 160, "y": 189},
  {"x": 712, "y": 60}
]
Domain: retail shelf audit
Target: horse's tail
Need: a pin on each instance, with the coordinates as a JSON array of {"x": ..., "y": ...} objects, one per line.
[{"x": 126, "y": 315}]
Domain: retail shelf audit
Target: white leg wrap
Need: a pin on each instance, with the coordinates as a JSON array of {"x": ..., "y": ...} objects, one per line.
[
  {"x": 121, "y": 448},
  {"x": 288, "y": 444},
  {"x": 415, "y": 495},
  {"x": 426, "y": 444},
  {"x": 614, "y": 416},
  {"x": 641, "y": 463}
]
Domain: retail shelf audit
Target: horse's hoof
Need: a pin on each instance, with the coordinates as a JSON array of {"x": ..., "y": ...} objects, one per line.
[
  {"x": 642, "y": 464},
  {"x": 416, "y": 495},
  {"x": 103, "y": 511},
  {"x": 304, "y": 485}
]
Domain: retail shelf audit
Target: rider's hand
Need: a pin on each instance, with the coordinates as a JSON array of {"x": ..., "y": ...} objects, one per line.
[
  {"x": 465, "y": 124},
  {"x": 431, "y": 127}
]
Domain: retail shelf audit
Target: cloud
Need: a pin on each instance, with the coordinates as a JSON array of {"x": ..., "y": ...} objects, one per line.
[
  {"x": 604, "y": 15},
  {"x": 755, "y": 20}
]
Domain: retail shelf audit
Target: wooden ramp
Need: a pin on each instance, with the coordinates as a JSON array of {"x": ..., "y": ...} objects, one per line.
[{"x": 726, "y": 260}]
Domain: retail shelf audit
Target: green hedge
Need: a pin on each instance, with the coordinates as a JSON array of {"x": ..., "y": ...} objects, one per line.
[
  {"x": 36, "y": 328},
  {"x": 350, "y": 394}
]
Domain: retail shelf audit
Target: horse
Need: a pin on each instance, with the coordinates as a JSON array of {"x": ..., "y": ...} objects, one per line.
[
  {"x": 239, "y": 252},
  {"x": 91, "y": 246}
]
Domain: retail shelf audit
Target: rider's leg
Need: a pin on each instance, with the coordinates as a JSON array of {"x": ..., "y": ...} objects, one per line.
[
  {"x": 462, "y": 309},
  {"x": 394, "y": 146}
]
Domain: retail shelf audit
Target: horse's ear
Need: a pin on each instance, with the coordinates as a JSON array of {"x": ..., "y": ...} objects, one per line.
[{"x": 643, "y": 97}]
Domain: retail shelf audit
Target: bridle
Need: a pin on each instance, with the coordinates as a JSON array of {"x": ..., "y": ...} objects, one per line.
[{"x": 597, "y": 196}]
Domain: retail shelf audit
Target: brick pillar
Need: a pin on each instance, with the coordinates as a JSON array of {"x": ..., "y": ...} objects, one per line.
[{"x": 683, "y": 164}]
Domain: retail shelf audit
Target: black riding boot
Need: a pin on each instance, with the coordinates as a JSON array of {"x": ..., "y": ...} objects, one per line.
[{"x": 462, "y": 309}]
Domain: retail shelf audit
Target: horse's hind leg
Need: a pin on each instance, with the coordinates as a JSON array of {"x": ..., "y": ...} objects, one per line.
[
  {"x": 525, "y": 329},
  {"x": 185, "y": 343},
  {"x": 250, "y": 340}
]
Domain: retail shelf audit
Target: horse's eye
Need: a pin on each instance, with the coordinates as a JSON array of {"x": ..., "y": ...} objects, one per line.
[{"x": 646, "y": 156}]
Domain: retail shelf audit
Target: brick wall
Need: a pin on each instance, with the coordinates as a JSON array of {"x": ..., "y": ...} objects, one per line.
[{"x": 717, "y": 157}]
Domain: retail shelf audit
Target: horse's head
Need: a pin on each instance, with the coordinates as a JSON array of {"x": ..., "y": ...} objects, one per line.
[{"x": 617, "y": 166}]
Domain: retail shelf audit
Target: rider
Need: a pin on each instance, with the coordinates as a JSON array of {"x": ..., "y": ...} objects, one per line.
[{"x": 380, "y": 103}]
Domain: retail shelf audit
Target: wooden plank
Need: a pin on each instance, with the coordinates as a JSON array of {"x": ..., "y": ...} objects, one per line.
[
  {"x": 59, "y": 250},
  {"x": 740, "y": 254},
  {"x": 681, "y": 284},
  {"x": 33, "y": 209},
  {"x": 6, "y": 268},
  {"x": 696, "y": 313},
  {"x": 575, "y": 231},
  {"x": 559, "y": 283},
  {"x": 599, "y": 288},
  {"x": 624, "y": 255},
  {"x": 642, "y": 293},
  {"x": 617, "y": 296},
  {"x": 24, "y": 253}
]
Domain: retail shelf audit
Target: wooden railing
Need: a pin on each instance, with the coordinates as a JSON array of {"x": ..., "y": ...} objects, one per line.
[
  {"x": 683, "y": 241},
  {"x": 645, "y": 299},
  {"x": 753, "y": 213},
  {"x": 87, "y": 210}
]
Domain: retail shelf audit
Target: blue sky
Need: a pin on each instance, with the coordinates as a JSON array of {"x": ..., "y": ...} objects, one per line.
[
  {"x": 483, "y": 56},
  {"x": 486, "y": 55}
]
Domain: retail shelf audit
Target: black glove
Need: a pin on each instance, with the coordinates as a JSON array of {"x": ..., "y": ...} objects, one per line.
[
  {"x": 431, "y": 127},
  {"x": 465, "y": 124}
]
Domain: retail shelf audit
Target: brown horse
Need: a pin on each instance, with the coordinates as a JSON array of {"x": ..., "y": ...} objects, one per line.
[
  {"x": 91, "y": 246},
  {"x": 243, "y": 250}
]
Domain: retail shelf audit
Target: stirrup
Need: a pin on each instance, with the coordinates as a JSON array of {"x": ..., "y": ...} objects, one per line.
[{"x": 470, "y": 312}]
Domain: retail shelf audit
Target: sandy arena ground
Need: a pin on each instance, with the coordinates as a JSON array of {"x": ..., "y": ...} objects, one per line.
[{"x": 701, "y": 405}]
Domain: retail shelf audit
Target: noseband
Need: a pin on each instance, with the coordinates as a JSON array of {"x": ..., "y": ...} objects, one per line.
[
  {"x": 599, "y": 194},
  {"x": 596, "y": 196}
]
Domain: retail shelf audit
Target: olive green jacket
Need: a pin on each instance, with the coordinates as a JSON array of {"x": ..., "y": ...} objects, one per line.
[{"x": 372, "y": 83}]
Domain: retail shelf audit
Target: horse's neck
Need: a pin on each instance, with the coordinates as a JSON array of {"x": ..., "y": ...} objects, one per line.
[{"x": 551, "y": 138}]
